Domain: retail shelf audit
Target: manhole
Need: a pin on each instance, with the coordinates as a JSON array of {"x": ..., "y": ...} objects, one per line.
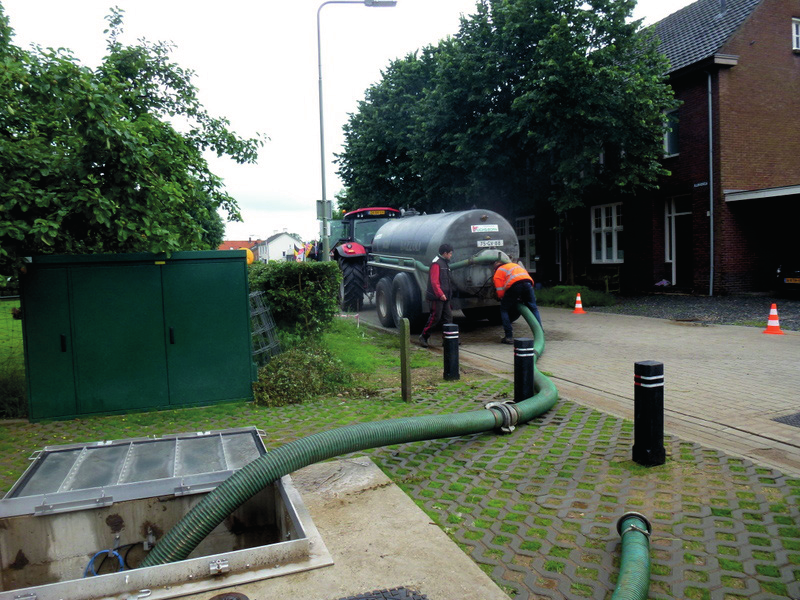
[
  {"x": 231, "y": 596},
  {"x": 400, "y": 593},
  {"x": 793, "y": 420}
]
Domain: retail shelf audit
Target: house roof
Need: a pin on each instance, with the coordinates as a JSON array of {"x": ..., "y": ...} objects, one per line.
[
  {"x": 277, "y": 235},
  {"x": 236, "y": 244},
  {"x": 698, "y": 31}
]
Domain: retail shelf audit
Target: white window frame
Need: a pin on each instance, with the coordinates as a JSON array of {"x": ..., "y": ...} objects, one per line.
[
  {"x": 796, "y": 35},
  {"x": 606, "y": 226},
  {"x": 671, "y": 147},
  {"x": 525, "y": 229}
]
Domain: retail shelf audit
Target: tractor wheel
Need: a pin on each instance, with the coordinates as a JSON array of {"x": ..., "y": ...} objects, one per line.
[
  {"x": 354, "y": 284},
  {"x": 383, "y": 301},
  {"x": 407, "y": 304}
]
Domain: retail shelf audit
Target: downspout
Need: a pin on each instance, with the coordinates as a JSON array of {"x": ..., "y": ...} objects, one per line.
[{"x": 710, "y": 188}]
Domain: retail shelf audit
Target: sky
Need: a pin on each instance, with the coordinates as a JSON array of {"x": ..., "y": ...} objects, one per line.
[{"x": 256, "y": 64}]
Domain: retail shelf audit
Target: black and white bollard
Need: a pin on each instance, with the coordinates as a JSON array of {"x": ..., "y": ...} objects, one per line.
[
  {"x": 450, "y": 351},
  {"x": 524, "y": 363},
  {"x": 648, "y": 413}
]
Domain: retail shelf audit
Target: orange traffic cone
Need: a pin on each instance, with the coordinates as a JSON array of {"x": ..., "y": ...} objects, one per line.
[
  {"x": 578, "y": 306},
  {"x": 773, "y": 325}
]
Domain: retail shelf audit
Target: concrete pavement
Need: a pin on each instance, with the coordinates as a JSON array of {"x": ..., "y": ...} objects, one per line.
[{"x": 724, "y": 384}]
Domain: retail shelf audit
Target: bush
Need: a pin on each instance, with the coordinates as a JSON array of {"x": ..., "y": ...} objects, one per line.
[
  {"x": 13, "y": 399},
  {"x": 301, "y": 373},
  {"x": 565, "y": 295},
  {"x": 303, "y": 296}
]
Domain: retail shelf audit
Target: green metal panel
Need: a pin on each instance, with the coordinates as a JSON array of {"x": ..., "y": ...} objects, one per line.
[
  {"x": 208, "y": 330},
  {"x": 48, "y": 343},
  {"x": 120, "y": 360}
]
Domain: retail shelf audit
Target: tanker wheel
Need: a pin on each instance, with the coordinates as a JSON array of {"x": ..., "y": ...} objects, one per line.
[
  {"x": 383, "y": 301},
  {"x": 354, "y": 283},
  {"x": 407, "y": 304}
]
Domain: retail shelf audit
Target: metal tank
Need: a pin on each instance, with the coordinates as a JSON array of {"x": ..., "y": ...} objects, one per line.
[{"x": 407, "y": 245}]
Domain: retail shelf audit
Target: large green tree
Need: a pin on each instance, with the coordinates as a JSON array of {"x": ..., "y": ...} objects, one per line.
[
  {"x": 109, "y": 159},
  {"x": 532, "y": 100}
]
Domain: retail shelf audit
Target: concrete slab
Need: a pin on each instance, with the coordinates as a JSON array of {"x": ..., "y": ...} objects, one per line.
[{"x": 378, "y": 538}]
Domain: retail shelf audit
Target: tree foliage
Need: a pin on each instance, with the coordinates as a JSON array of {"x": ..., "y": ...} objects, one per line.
[
  {"x": 532, "y": 100},
  {"x": 108, "y": 159}
]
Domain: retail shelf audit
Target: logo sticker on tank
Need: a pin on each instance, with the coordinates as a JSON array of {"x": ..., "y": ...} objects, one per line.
[
  {"x": 484, "y": 228},
  {"x": 490, "y": 243}
]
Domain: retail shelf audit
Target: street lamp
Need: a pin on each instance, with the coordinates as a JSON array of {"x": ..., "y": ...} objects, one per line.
[{"x": 325, "y": 208}]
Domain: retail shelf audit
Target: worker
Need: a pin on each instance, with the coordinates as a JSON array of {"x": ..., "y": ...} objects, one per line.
[
  {"x": 513, "y": 285},
  {"x": 439, "y": 292}
]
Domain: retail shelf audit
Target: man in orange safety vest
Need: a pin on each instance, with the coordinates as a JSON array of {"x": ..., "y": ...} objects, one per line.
[{"x": 513, "y": 285}]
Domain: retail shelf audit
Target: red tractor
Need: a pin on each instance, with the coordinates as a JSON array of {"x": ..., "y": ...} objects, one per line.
[{"x": 354, "y": 235}]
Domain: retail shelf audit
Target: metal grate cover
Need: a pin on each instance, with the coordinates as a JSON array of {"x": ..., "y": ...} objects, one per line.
[
  {"x": 80, "y": 476},
  {"x": 265, "y": 340}
]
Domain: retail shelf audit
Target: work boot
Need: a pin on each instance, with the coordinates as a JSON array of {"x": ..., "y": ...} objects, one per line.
[
  {"x": 423, "y": 341},
  {"x": 507, "y": 340}
]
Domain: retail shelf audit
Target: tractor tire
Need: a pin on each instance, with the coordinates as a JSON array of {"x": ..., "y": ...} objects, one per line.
[
  {"x": 407, "y": 303},
  {"x": 353, "y": 286},
  {"x": 383, "y": 301}
]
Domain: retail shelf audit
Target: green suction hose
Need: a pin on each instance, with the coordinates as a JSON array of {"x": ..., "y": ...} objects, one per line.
[
  {"x": 184, "y": 537},
  {"x": 634, "y": 569}
]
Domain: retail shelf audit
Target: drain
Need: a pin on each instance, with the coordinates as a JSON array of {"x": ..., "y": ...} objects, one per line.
[
  {"x": 793, "y": 420},
  {"x": 400, "y": 593},
  {"x": 230, "y": 596}
]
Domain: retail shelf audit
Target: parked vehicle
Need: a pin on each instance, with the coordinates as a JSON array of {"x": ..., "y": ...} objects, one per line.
[
  {"x": 386, "y": 252},
  {"x": 788, "y": 276}
]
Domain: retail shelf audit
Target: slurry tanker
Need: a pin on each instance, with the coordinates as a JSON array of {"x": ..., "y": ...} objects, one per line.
[{"x": 386, "y": 252}]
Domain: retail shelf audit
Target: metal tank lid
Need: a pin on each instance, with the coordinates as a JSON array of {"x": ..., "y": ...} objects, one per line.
[{"x": 80, "y": 476}]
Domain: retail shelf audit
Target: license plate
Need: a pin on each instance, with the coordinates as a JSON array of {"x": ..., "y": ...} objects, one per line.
[
  {"x": 791, "y": 280},
  {"x": 490, "y": 243}
]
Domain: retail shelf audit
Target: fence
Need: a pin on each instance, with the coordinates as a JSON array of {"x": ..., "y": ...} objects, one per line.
[{"x": 265, "y": 341}]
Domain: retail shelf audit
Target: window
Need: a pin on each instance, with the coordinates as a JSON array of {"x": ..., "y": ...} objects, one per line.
[
  {"x": 796, "y": 35},
  {"x": 671, "y": 134},
  {"x": 607, "y": 238},
  {"x": 526, "y": 234}
]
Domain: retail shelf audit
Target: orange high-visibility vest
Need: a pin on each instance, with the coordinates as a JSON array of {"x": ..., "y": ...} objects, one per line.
[{"x": 507, "y": 275}]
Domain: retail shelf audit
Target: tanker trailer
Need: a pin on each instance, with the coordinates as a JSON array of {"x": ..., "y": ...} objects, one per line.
[{"x": 402, "y": 249}]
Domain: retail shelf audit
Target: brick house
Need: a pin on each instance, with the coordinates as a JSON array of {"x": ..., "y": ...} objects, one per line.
[{"x": 730, "y": 210}]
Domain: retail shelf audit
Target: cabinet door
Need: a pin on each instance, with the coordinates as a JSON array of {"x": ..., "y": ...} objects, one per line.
[
  {"x": 48, "y": 343},
  {"x": 207, "y": 318},
  {"x": 120, "y": 361}
]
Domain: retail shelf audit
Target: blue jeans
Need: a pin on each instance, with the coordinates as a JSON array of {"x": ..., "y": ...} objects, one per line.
[{"x": 520, "y": 292}]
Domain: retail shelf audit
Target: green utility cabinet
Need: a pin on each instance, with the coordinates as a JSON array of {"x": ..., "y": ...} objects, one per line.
[{"x": 120, "y": 332}]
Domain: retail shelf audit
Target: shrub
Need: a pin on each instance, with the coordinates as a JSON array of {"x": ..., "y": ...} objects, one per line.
[
  {"x": 565, "y": 295},
  {"x": 13, "y": 400},
  {"x": 303, "y": 296},
  {"x": 301, "y": 373}
]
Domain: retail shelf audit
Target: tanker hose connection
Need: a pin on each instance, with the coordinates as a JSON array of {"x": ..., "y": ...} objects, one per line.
[{"x": 633, "y": 582}]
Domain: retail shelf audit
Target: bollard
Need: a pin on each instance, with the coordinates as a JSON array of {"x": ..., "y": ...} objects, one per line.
[
  {"x": 524, "y": 362},
  {"x": 450, "y": 351},
  {"x": 648, "y": 413}
]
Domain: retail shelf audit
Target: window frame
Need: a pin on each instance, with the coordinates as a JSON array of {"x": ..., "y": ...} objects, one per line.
[
  {"x": 796, "y": 34},
  {"x": 671, "y": 137},
  {"x": 525, "y": 228},
  {"x": 605, "y": 231}
]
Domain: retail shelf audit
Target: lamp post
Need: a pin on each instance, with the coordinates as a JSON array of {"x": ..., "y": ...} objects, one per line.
[{"x": 326, "y": 246}]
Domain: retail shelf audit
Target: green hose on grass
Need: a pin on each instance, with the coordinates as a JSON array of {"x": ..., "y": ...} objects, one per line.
[
  {"x": 184, "y": 537},
  {"x": 178, "y": 543}
]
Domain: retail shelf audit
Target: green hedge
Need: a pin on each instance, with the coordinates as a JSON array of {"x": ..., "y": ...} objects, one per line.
[
  {"x": 565, "y": 296},
  {"x": 303, "y": 297}
]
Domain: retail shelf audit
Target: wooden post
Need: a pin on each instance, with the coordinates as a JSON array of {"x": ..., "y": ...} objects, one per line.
[{"x": 405, "y": 360}]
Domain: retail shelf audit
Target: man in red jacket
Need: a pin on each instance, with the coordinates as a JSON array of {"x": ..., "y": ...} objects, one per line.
[
  {"x": 439, "y": 292},
  {"x": 513, "y": 285}
]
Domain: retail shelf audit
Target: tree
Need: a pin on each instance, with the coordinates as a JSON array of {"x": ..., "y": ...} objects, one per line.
[
  {"x": 531, "y": 101},
  {"x": 95, "y": 160}
]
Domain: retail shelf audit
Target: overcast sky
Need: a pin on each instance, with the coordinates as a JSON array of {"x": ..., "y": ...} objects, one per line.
[{"x": 256, "y": 64}]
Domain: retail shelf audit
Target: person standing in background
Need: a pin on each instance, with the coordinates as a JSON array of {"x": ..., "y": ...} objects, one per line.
[{"x": 439, "y": 292}]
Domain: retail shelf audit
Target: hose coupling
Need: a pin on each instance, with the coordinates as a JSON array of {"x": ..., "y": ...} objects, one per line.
[
  {"x": 633, "y": 526},
  {"x": 508, "y": 413}
]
